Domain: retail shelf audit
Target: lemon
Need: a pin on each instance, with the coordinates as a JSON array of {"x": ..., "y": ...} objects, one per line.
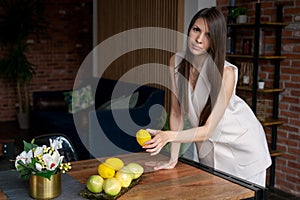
[
  {"x": 142, "y": 136},
  {"x": 136, "y": 169},
  {"x": 115, "y": 163},
  {"x": 112, "y": 186},
  {"x": 105, "y": 171},
  {"x": 124, "y": 176},
  {"x": 95, "y": 183}
]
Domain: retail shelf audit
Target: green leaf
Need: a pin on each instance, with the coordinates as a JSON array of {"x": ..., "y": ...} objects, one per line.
[
  {"x": 29, "y": 146},
  {"x": 25, "y": 172},
  {"x": 32, "y": 165},
  {"x": 46, "y": 174}
]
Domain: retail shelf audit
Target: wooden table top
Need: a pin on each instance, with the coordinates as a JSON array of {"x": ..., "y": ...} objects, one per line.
[{"x": 182, "y": 182}]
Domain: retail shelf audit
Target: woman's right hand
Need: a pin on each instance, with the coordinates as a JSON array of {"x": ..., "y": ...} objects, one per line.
[{"x": 159, "y": 140}]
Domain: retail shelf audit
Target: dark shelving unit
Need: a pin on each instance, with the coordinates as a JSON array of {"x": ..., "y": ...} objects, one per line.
[{"x": 255, "y": 58}]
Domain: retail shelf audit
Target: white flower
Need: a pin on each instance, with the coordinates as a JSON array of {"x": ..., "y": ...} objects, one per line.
[
  {"x": 39, "y": 151},
  {"x": 24, "y": 157},
  {"x": 43, "y": 161},
  {"x": 56, "y": 144},
  {"x": 38, "y": 166},
  {"x": 52, "y": 161},
  {"x": 29, "y": 155}
]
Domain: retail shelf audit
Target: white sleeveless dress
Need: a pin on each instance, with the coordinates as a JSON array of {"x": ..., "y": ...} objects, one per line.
[{"x": 238, "y": 144}]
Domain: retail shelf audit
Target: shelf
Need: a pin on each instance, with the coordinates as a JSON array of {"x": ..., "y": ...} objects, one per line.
[
  {"x": 265, "y": 57},
  {"x": 272, "y": 122},
  {"x": 275, "y": 153},
  {"x": 266, "y": 90},
  {"x": 262, "y": 24},
  {"x": 256, "y": 27}
]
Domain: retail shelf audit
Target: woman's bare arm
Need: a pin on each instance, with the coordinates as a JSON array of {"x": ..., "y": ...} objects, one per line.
[{"x": 199, "y": 133}]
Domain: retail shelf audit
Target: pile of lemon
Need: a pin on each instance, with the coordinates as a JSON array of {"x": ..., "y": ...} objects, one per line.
[{"x": 113, "y": 175}]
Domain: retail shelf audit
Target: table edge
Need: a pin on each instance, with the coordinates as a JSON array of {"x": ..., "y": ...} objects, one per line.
[{"x": 260, "y": 192}]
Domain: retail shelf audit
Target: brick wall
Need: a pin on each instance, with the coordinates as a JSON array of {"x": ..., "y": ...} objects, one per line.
[
  {"x": 287, "y": 166},
  {"x": 58, "y": 55}
]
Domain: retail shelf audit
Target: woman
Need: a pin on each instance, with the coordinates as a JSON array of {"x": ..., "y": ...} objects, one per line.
[{"x": 227, "y": 134}]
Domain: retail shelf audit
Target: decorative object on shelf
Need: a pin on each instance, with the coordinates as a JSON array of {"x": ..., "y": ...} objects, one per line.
[
  {"x": 261, "y": 84},
  {"x": 241, "y": 19},
  {"x": 246, "y": 73},
  {"x": 246, "y": 79},
  {"x": 43, "y": 166},
  {"x": 239, "y": 13},
  {"x": 247, "y": 45},
  {"x": 261, "y": 42},
  {"x": 261, "y": 110},
  {"x": 228, "y": 42}
]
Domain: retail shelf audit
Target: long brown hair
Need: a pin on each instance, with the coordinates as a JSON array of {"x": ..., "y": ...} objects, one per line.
[{"x": 217, "y": 31}]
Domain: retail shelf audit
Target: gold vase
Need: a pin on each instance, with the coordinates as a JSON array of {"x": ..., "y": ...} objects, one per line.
[{"x": 43, "y": 188}]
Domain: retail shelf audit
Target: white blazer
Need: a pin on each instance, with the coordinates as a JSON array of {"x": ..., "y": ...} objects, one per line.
[{"x": 238, "y": 144}]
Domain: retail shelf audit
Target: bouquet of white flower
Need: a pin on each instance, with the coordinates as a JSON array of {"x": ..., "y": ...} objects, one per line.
[{"x": 41, "y": 161}]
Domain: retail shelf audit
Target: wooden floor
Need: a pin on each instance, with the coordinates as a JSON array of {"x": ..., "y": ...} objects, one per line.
[{"x": 10, "y": 130}]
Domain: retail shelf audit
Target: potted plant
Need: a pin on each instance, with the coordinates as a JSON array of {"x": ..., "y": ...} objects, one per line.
[
  {"x": 261, "y": 83},
  {"x": 18, "y": 20},
  {"x": 239, "y": 13},
  {"x": 43, "y": 166}
]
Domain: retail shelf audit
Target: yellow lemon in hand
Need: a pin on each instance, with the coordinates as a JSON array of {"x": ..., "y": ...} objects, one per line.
[
  {"x": 142, "y": 136},
  {"x": 115, "y": 163},
  {"x": 105, "y": 171}
]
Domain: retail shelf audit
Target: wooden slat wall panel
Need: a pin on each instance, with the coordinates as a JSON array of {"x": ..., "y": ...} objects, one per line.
[{"x": 115, "y": 16}]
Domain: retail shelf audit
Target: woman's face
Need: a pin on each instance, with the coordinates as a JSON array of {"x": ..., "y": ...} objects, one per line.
[{"x": 199, "y": 41}]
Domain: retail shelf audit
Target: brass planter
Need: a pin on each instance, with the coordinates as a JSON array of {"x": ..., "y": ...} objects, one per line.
[{"x": 43, "y": 188}]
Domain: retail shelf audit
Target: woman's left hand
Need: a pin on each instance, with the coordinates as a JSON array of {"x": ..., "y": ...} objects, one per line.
[
  {"x": 160, "y": 139},
  {"x": 162, "y": 164}
]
